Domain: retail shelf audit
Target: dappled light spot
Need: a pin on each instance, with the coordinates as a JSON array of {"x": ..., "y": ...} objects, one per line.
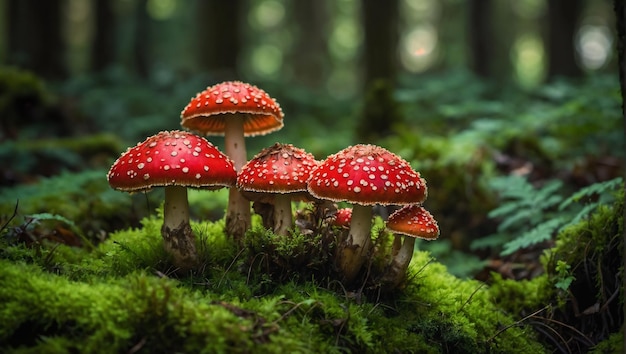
[
  {"x": 419, "y": 48},
  {"x": 345, "y": 38},
  {"x": 268, "y": 14},
  {"x": 267, "y": 60},
  {"x": 593, "y": 44},
  {"x": 528, "y": 57},
  {"x": 161, "y": 9}
]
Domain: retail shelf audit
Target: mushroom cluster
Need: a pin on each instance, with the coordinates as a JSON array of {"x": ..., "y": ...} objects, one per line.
[
  {"x": 363, "y": 175},
  {"x": 234, "y": 110}
]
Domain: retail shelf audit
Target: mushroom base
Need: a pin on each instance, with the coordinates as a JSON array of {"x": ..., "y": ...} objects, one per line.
[
  {"x": 179, "y": 243},
  {"x": 237, "y": 216}
]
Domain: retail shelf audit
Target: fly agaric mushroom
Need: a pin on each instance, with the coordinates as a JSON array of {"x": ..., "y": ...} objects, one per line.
[
  {"x": 174, "y": 160},
  {"x": 343, "y": 217},
  {"x": 275, "y": 175},
  {"x": 409, "y": 222},
  {"x": 233, "y": 109},
  {"x": 364, "y": 175}
]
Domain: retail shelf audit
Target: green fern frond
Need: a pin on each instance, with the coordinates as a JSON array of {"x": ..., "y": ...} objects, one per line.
[
  {"x": 538, "y": 234},
  {"x": 491, "y": 241},
  {"x": 600, "y": 188},
  {"x": 529, "y": 215}
]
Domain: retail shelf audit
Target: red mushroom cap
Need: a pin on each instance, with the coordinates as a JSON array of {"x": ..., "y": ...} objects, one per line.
[
  {"x": 172, "y": 158},
  {"x": 343, "y": 217},
  {"x": 367, "y": 175},
  {"x": 280, "y": 168},
  {"x": 414, "y": 221},
  {"x": 205, "y": 112}
]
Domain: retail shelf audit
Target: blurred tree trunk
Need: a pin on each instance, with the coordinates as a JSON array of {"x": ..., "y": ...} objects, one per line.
[
  {"x": 35, "y": 39},
  {"x": 103, "y": 50},
  {"x": 142, "y": 39},
  {"x": 380, "y": 23},
  {"x": 379, "y": 112},
  {"x": 481, "y": 39},
  {"x": 219, "y": 37},
  {"x": 562, "y": 23},
  {"x": 308, "y": 56},
  {"x": 620, "y": 19},
  {"x": 503, "y": 37}
]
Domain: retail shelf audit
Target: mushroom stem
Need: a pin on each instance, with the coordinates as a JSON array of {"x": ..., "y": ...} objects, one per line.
[
  {"x": 353, "y": 251},
  {"x": 282, "y": 214},
  {"x": 178, "y": 239},
  {"x": 396, "y": 273},
  {"x": 396, "y": 245},
  {"x": 238, "y": 211}
]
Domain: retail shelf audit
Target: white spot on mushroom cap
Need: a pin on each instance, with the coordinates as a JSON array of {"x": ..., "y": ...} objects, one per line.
[
  {"x": 371, "y": 169},
  {"x": 278, "y": 168},
  {"x": 180, "y": 150},
  {"x": 204, "y": 113}
]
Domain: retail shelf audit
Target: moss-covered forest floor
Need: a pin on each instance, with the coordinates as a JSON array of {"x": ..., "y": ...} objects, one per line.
[{"x": 526, "y": 187}]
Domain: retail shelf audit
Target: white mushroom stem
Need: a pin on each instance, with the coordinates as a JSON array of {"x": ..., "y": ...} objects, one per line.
[
  {"x": 353, "y": 251},
  {"x": 396, "y": 272},
  {"x": 178, "y": 239},
  {"x": 282, "y": 214},
  {"x": 238, "y": 210}
]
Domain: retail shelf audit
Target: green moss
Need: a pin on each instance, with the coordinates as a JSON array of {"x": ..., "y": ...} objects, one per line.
[
  {"x": 155, "y": 314},
  {"x": 276, "y": 295},
  {"x": 122, "y": 297},
  {"x": 521, "y": 296},
  {"x": 614, "y": 344},
  {"x": 581, "y": 294}
]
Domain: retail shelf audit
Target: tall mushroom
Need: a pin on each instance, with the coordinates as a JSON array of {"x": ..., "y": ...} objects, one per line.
[
  {"x": 174, "y": 160},
  {"x": 276, "y": 175},
  {"x": 233, "y": 109},
  {"x": 364, "y": 175},
  {"x": 409, "y": 222}
]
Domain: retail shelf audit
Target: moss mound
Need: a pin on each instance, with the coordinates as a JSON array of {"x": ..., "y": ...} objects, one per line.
[{"x": 124, "y": 297}]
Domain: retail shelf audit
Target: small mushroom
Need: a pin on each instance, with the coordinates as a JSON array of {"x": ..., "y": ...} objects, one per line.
[
  {"x": 409, "y": 222},
  {"x": 364, "y": 175},
  {"x": 174, "y": 160},
  {"x": 275, "y": 176},
  {"x": 343, "y": 217},
  {"x": 233, "y": 109}
]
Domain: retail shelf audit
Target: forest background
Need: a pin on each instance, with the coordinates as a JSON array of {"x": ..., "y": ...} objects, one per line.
[{"x": 511, "y": 110}]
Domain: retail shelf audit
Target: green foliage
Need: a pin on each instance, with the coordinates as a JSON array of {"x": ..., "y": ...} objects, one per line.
[
  {"x": 85, "y": 198},
  {"x": 613, "y": 344},
  {"x": 561, "y": 120},
  {"x": 563, "y": 276},
  {"x": 51, "y": 156},
  {"x": 458, "y": 132},
  {"x": 459, "y": 263},
  {"x": 581, "y": 294},
  {"x": 590, "y": 241},
  {"x": 533, "y": 215}
]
